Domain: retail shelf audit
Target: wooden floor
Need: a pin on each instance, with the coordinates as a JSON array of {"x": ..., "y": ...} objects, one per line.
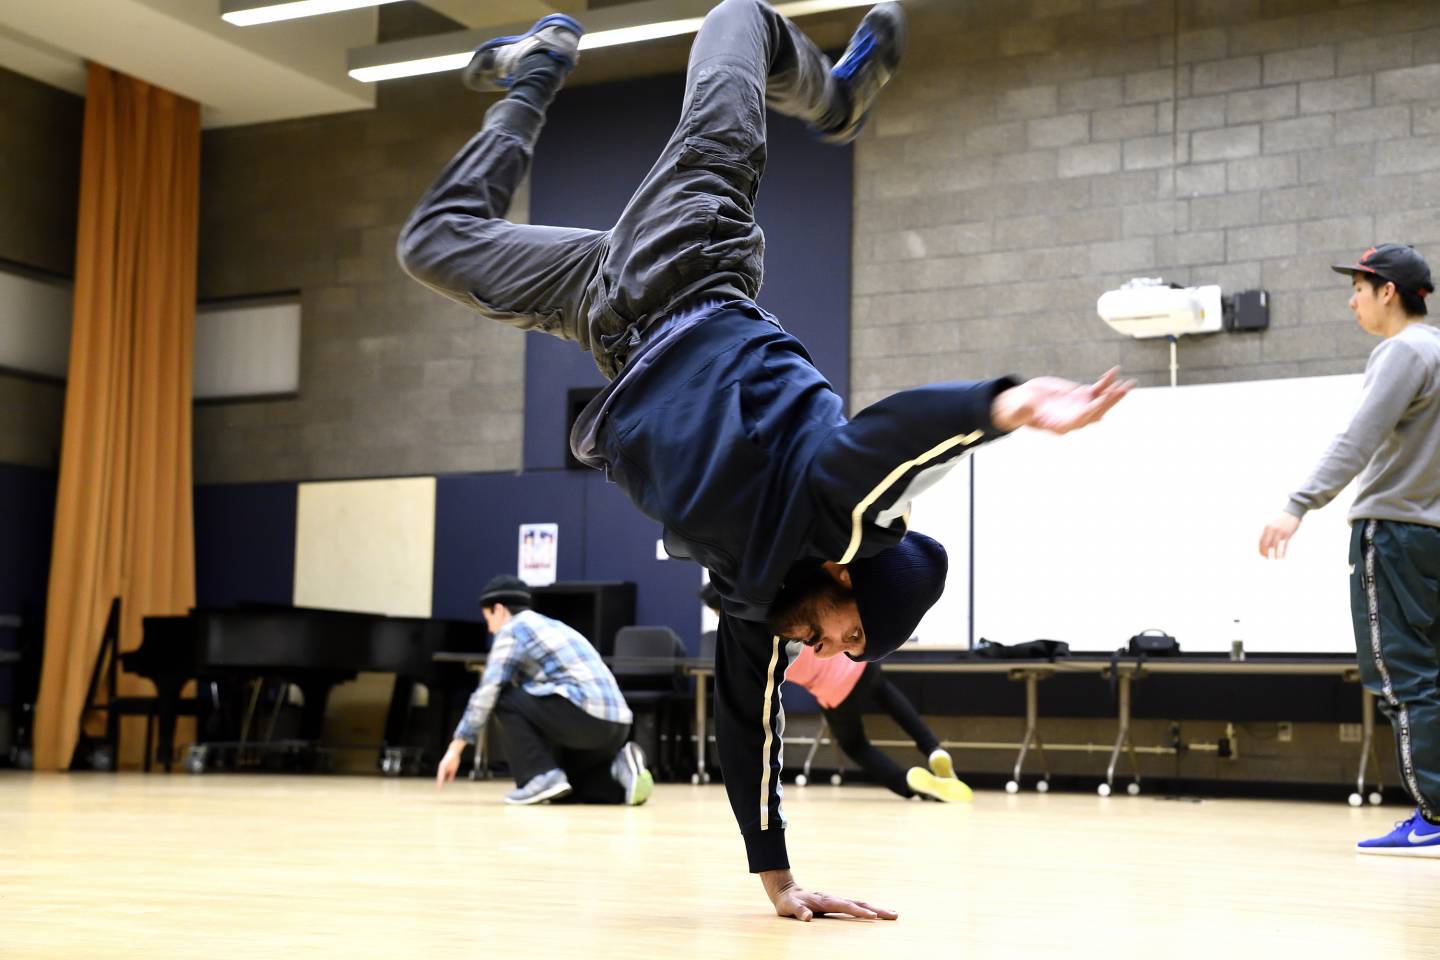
[{"x": 93, "y": 866}]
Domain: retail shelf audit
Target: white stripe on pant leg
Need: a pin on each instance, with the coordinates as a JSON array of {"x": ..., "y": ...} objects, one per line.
[
  {"x": 769, "y": 736},
  {"x": 1402, "y": 713}
]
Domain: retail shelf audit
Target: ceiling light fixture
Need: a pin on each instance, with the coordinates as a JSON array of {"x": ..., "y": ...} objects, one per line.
[
  {"x": 247, "y": 13},
  {"x": 628, "y": 23}
]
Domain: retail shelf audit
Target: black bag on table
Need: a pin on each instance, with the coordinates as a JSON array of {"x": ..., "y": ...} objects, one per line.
[{"x": 1029, "y": 650}]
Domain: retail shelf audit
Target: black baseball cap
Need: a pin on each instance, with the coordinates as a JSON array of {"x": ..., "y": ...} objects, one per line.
[
  {"x": 894, "y": 589},
  {"x": 1396, "y": 262}
]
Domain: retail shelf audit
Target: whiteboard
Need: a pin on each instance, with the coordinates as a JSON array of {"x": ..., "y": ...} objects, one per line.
[
  {"x": 943, "y": 512},
  {"x": 1151, "y": 520},
  {"x": 366, "y": 546}
]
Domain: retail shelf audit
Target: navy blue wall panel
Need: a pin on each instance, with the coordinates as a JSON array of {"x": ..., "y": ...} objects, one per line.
[
  {"x": 27, "y": 520},
  {"x": 477, "y": 526},
  {"x": 591, "y": 157},
  {"x": 245, "y": 544},
  {"x": 620, "y": 545}
]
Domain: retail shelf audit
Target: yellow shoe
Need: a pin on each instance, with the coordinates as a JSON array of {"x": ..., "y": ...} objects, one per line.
[
  {"x": 941, "y": 766},
  {"x": 946, "y": 790}
]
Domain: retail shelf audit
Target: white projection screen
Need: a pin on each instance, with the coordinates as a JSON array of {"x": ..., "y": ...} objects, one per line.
[
  {"x": 1151, "y": 520},
  {"x": 366, "y": 546}
]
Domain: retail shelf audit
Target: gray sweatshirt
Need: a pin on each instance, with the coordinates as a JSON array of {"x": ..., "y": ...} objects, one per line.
[{"x": 1393, "y": 441}]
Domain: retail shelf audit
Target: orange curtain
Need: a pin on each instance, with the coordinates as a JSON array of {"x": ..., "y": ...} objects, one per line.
[{"x": 123, "y": 515}]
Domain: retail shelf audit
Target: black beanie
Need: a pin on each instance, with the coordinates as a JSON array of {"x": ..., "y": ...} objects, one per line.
[
  {"x": 509, "y": 590},
  {"x": 894, "y": 588}
]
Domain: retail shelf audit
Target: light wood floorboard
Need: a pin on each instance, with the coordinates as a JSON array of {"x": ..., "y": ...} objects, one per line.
[{"x": 95, "y": 865}]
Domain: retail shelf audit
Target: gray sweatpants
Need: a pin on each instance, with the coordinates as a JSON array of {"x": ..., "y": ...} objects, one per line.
[{"x": 688, "y": 232}]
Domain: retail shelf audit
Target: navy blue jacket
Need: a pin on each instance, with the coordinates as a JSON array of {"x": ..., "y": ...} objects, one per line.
[{"x": 741, "y": 449}]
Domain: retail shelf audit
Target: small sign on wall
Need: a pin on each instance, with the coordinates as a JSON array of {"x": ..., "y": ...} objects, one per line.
[{"x": 539, "y": 553}]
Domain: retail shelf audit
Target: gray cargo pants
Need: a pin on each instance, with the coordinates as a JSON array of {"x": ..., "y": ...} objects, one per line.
[{"x": 689, "y": 231}]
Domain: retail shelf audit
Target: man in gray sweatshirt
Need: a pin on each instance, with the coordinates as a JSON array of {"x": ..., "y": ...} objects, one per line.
[{"x": 1393, "y": 444}]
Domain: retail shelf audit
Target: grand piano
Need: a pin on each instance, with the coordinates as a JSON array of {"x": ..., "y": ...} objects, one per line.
[{"x": 313, "y": 649}]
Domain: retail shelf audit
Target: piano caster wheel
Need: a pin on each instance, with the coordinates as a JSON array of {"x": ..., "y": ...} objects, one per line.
[
  {"x": 195, "y": 760},
  {"x": 101, "y": 760}
]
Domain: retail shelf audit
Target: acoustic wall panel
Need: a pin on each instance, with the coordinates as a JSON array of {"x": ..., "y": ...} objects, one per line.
[
  {"x": 366, "y": 545},
  {"x": 34, "y": 324},
  {"x": 247, "y": 350}
]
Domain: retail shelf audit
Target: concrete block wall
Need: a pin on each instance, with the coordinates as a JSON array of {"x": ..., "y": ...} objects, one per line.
[
  {"x": 1033, "y": 154},
  {"x": 394, "y": 379},
  {"x": 40, "y": 129}
]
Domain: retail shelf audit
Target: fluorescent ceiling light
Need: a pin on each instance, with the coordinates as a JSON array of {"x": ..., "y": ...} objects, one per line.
[
  {"x": 443, "y": 54},
  {"x": 247, "y": 13}
]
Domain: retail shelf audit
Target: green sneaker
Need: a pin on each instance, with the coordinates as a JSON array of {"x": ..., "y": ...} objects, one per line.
[{"x": 628, "y": 769}]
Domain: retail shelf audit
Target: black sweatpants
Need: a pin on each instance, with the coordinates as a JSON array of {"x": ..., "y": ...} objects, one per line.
[
  {"x": 542, "y": 733},
  {"x": 874, "y": 693},
  {"x": 1395, "y": 606}
]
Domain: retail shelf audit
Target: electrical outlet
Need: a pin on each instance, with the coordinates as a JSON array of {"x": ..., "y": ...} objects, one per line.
[
  {"x": 1350, "y": 733},
  {"x": 1284, "y": 731}
]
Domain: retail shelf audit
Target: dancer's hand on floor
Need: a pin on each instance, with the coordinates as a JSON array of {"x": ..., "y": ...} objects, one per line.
[{"x": 791, "y": 900}]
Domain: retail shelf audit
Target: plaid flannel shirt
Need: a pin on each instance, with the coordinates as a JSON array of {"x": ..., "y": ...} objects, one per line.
[{"x": 545, "y": 657}]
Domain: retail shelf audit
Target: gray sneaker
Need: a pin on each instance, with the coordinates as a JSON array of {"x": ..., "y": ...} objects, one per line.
[
  {"x": 628, "y": 769},
  {"x": 495, "y": 61},
  {"x": 550, "y": 785}
]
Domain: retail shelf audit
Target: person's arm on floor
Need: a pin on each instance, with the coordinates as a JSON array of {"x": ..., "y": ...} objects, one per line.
[
  {"x": 500, "y": 666},
  {"x": 749, "y": 669}
]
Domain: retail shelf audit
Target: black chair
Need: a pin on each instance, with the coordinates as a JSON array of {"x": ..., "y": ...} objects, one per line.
[{"x": 648, "y": 666}]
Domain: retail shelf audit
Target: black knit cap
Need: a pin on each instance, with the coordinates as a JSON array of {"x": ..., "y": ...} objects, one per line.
[
  {"x": 894, "y": 588},
  {"x": 1395, "y": 262},
  {"x": 507, "y": 589}
]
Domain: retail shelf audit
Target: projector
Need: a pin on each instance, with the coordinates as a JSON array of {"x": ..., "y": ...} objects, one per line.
[{"x": 1149, "y": 307}]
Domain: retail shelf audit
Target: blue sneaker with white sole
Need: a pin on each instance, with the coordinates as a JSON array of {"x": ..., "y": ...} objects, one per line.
[
  {"x": 867, "y": 65},
  {"x": 496, "y": 62},
  {"x": 550, "y": 785},
  {"x": 1412, "y": 837}
]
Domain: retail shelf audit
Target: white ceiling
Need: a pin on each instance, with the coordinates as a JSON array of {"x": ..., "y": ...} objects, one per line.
[{"x": 240, "y": 75}]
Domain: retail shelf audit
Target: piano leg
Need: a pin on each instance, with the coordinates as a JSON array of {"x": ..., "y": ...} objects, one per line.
[
  {"x": 167, "y": 693},
  {"x": 317, "y": 696}
]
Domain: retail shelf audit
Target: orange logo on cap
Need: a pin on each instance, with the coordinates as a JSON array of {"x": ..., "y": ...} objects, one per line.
[{"x": 1366, "y": 255}]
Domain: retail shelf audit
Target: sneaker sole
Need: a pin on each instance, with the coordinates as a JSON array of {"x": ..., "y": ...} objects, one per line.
[
  {"x": 551, "y": 20},
  {"x": 641, "y": 790},
  {"x": 1431, "y": 852},
  {"x": 949, "y": 791},
  {"x": 549, "y": 793}
]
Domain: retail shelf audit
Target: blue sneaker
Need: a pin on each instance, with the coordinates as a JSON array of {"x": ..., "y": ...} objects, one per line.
[
  {"x": 867, "y": 65},
  {"x": 550, "y": 785},
  {"x": 1413, "y": 837},
  {"x": 494, "y": 65},
  {"x": 628, "y": 769}
]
